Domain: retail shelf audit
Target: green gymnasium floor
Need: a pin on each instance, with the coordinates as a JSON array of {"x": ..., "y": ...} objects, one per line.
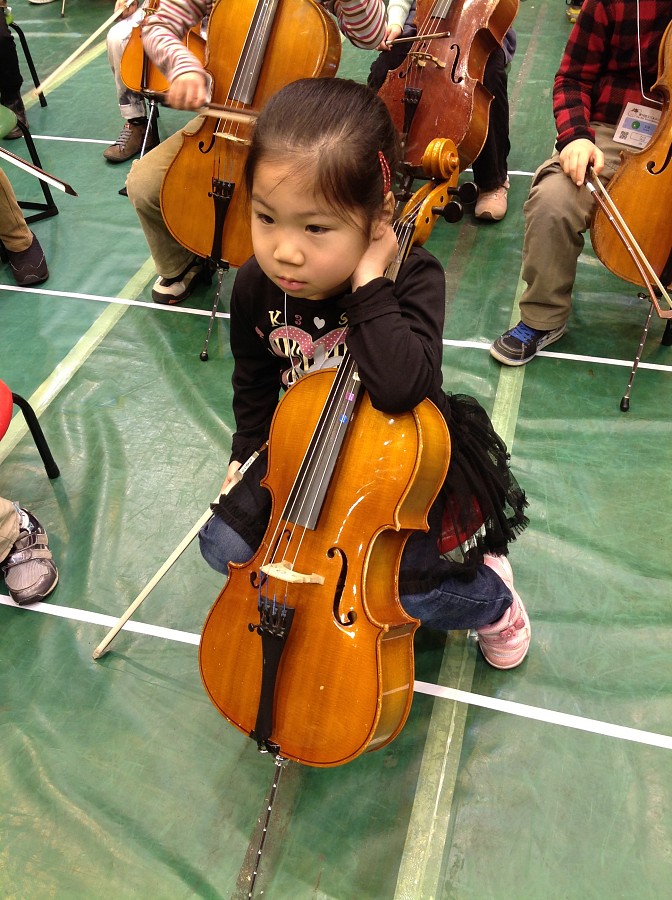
[{"x": 119, "y": 778}]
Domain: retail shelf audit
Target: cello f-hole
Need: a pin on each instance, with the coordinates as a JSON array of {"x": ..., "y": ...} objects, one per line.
[
  {"x": 651, "y": 164},
  {"x": 456, "y": 48},
  {"x": 343, "y": 619}
]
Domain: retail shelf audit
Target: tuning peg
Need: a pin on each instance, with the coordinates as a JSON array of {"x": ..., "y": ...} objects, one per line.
[{"x": 452, "y": 212}]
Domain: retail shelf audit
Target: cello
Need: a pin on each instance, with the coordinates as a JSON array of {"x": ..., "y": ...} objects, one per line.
[
  {"x": 641, "y": 189},
  {"x": 629, "y": 230},
  {"x": 438, "y": 90},
  {"x": 138, "y": 72},
  {"x": 253, "y": 49},
  {"x": 307, "y": 649}
]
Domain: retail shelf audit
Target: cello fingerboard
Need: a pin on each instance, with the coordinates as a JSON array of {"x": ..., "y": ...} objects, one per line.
[{"x": 247, "y": 72}]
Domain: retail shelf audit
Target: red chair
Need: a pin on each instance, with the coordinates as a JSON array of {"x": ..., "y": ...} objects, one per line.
[{"x": 7, "y": 401}]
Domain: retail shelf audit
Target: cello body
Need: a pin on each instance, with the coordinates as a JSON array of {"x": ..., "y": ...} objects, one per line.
[
  {"x": 345, "y": 676},
  {"x": 438, "y": 90},
  {"x": 202, "y": 195},
  {"x": 641, "y": 190},
  {"x": 138, "y": 72}
]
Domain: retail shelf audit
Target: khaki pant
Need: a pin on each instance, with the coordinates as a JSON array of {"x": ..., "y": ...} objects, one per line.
[
  {"x": 144, "y": 191},
  {"x": 557, "y": 213},
  {"x": 9, "y": 527},
  {"x": 14, "y": 233}
]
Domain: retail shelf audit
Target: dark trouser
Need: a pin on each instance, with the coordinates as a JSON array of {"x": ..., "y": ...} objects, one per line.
[
  {"x": 491, "y": 165},
  {"x": 10, "y": 74}
]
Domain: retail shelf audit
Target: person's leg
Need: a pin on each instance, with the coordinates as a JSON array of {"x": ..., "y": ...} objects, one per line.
[
  {"x": 456, "y": 604},
  {"x": 220, "y": 545},
  {"x": 491, "y": 165},
  {"x": 26, "y": 256},
  {"x": 9, "y": 527},
  {"x": 131, "y": 104},
  {"x": 10, "y": 78},
  {"x": 144, "y": 191},
  {"x": 14, "y": 233},
  {"x": 557, "y": 214}
]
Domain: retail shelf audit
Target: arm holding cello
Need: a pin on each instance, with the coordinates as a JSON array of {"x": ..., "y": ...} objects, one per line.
[{"x": 163, "y": 33}]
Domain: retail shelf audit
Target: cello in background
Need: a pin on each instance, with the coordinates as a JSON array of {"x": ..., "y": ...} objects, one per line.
[
  {"x": 438, "y": 90},
  {"x": 630, "y": 231},
  {"x": 138, "y": 72},
  {"x": 253, "y": 49},
  {"x": 641, "y": 189}
]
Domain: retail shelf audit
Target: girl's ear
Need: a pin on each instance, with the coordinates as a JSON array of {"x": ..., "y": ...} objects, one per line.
[{"x": 384, "y": 218}]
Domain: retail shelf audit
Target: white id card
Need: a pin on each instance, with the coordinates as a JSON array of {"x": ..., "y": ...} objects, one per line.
[{"x": 637, "y": 125}]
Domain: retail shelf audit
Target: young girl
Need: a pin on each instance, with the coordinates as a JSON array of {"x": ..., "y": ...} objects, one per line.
[{"x": 318, "y": 178}]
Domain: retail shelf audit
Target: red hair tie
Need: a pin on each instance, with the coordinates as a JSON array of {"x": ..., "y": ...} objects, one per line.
[{"x": 387, "y": 179}]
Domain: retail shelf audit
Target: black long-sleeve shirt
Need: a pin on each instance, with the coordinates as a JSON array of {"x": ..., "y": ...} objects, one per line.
[{"x": 394, "y": 333}]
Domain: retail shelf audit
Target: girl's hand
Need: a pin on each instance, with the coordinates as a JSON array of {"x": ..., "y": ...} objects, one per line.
[
  {"x": 377, "y": 257},
  {"x": 188, "y": 91},
  {"x": 577, "y": 156},
  {"x": 391, "y": 33},
  {"x": 230, "y": 479}
]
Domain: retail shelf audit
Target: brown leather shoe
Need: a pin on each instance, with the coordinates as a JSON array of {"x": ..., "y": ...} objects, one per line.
[{"x": 129, "y": 143}]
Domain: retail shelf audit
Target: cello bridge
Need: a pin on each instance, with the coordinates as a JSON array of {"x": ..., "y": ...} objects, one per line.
[
  {"x": 284, "y": 571},
  {"x": 421, "y": 59},
  {"x": 232, "y": 137}
]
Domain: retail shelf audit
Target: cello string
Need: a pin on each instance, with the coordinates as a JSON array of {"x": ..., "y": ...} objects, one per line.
[
  {"x": 252, "y": 47},
  {"x": 595, "y": 185},
  {"x": 321, "y": 462}
]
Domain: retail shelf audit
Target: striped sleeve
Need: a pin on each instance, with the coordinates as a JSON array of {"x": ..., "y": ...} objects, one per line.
[
  {"x": 363, "y": 22},
  {"x": 163, "y": 31}
]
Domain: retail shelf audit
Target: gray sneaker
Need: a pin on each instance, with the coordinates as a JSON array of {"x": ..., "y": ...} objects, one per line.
[
  {"x": 29, "y": 570},
  {"x": 519, "y": 345}
]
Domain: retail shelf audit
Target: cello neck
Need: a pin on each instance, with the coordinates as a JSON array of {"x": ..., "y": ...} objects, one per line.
[{"x": 252, "y": 58}]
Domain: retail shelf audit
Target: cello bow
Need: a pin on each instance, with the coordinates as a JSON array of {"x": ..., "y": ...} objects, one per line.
[
  {"x": 37, "y": 172},
  {"x": 50, "y": 79}
]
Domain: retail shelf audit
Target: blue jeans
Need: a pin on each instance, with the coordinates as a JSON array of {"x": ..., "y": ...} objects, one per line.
[{"x": 453, "y": 605}]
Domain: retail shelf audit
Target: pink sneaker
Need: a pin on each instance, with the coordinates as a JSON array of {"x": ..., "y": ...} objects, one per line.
[
  {"x": 505, "y": 643},
  {"x": 493, "y": 204}
]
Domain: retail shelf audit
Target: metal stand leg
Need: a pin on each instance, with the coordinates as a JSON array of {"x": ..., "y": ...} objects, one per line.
[
  {"x": 625, "y": 400},
  {"x": 153, "y": 130},
  {"x": 29, "y": 59},
  {"x": 221, "y": 269},
  {"x": 48, "y": 208}
]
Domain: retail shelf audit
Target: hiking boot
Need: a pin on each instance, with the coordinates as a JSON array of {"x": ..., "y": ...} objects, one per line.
[
  {"x": 19, "y": 110},
  {"x": 519, "y": 345},
  {"x": 505, "y": 643},
  {"x": 28, "y": 266},
  {"x": 129, "y": 143},
  {"x": 29, "y": 570},
  {"x": 492, "y": 204},
  {"x": 174, "y": 290}
]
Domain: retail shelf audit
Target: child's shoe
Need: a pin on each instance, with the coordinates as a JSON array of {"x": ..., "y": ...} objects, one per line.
[
  {"x": 492, "y": 205},
  {"x": 29, "y": 570},
  {"x": 505, "y": 643}
]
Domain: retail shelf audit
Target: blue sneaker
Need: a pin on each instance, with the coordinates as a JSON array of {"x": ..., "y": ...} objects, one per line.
[{"x": 519, "y": 345}]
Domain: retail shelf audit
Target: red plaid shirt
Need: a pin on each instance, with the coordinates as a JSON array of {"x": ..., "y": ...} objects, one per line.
[{"x": 600, "y": 70}]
